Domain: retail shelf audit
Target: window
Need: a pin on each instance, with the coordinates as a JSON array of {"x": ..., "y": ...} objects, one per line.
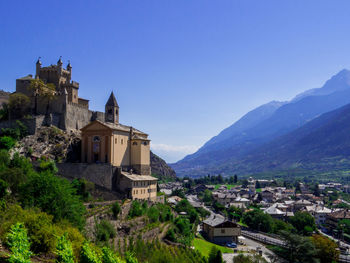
[
  {"x": 134, "y": 143},
  {"x": 109, "y": 111},
  {"x": 122, "y": 141},
  {"x": 96, "y": 139},
  {"x": 145, "y": 143},
  {"x": 115, "y": 140},
  {"x": 222, "y": 231}
]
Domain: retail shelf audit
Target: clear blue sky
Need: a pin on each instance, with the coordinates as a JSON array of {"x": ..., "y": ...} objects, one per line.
[{"x": 182, "y": 70}]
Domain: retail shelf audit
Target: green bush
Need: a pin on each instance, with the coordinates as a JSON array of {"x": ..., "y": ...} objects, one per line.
[
  {"x": 55, "y": 196},
  {"x": 104, "y": 231},
  {"x": 88, "y": 254},
  {"x": 41, "y": 230},
  {"x": 4, "y": 158},
  {"x": 116, "y": 209},
  {"x": 7, "y": 142},
  {"x": 153, "y": 214},
  {"x": 64, "y": 250},
  {"x": 83, "y": 188},
  {"x": 19, "y": 244},
  {"x": 48, "y": 165},
  {"x": 258, "y": 220},
  {"x": 109, "y": 257},
  {"x": 136, "y": 209},
  {"x": 14, "y": 177},
  {"x": 3, "y": 188}
]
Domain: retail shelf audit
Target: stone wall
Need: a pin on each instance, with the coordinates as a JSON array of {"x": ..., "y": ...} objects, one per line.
[
  {"x": 102, "y": 174},
  {"x": 77, "y": 116},
  {"x": 32, "y": 124}
]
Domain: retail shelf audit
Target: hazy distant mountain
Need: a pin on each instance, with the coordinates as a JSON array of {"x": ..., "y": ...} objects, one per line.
[
  {"x": 321, "y": 144},
  {"x": 264, "y": 124}
]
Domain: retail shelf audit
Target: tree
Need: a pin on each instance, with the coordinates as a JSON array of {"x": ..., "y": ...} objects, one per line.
[
  {"x": 215, "y": 255},
  {"x": 303, "y": 222},
  {"x": 235, "y": 178},
  {"x": 18, "y": 105},
  {"x": 116, "y": 209},
  {"x": 257, "y": 184},
  {"x": 258, "y": 220},
  {"x": 55, "y": 196},
  {"x": 298, "y": 249},
  {"x": 344, "y": 225},
  {"x": 7, "y": 142},
  {"x": 316, "y": 190},
  {"x": 326, "y": 249},
  {"x": 19, "y": 244},
  {"x": 40, "y": 89},
  {"x": 4, "y": 111}
]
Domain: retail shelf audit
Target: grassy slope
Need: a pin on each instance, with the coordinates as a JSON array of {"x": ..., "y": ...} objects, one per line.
[{"x": 204, "y": 247}]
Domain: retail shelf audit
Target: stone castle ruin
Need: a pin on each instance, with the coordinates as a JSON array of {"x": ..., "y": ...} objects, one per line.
[{"x": 66, "y": 110}]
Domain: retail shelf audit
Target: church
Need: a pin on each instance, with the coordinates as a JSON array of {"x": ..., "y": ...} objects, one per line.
[{"x": 123, "y": 147}]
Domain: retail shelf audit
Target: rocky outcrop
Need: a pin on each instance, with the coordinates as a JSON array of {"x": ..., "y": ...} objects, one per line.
[
  {"x": 160, "y": 168},
  {"x": 52, "y": 143}
]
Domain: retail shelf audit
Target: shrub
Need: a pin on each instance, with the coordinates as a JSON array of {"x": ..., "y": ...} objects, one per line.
[
  {"x": 136, "y": 209},
  {"x": 116, "y": 209},
  {"x": 48, "y": 165},
  {"x": 3, "y": 188},
  {"x": 258, "y": 220},
  {"x": 109, "y": 257},
  {"x": 19, "y": 244},
  {"x": 83, "y": 188},
  {"x": 4, "y": 158},
  {"x": 14, "y": 177},
  {"x": 55, "y": 196},
  {"x": 7, "y": 142},
  {"x": 104, "y": 231},
  {"x": 64, "y": 250},
  {"x": 88, "y": 254},
  {"x": 18, "y": 105},
  {"x": 153, "y": 214}
]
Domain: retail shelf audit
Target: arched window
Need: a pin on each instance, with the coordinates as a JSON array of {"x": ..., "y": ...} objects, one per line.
[{"x": 134, "y": 143}]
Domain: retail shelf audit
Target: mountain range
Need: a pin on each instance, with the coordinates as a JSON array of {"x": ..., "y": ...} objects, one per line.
[{"x": 253, "y": 143}]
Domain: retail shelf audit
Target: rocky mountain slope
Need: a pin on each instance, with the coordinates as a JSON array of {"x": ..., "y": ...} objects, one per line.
[
  {"x": 160, "y": 168},
  {"x": 218, "y": 156},
  {"x": 322, "y": 144}
]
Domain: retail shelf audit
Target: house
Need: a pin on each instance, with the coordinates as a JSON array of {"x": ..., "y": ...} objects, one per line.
[
  {"x": 267, "y": 196},
  {"x": 319, "y": 212},
  {"x": 334, "y": 217},
  {"x": 301, "y": 204},
  {"x": 278, "y": 211},
  {"x": 240, "y": 202},
  {"x": 220, "y": 231}
]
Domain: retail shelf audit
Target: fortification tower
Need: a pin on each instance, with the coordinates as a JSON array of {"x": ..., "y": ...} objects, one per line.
[{"x": 112, "y": 110}]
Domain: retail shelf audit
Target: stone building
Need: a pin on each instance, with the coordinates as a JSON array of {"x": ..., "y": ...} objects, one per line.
[
  {"x": 220, "y": 231},
  {"x": 123, "y": 147},
  {"x": 67, "y": 110}
]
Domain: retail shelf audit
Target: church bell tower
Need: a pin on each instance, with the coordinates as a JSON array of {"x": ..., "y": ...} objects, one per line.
[{"x": 112, "y": 110}]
